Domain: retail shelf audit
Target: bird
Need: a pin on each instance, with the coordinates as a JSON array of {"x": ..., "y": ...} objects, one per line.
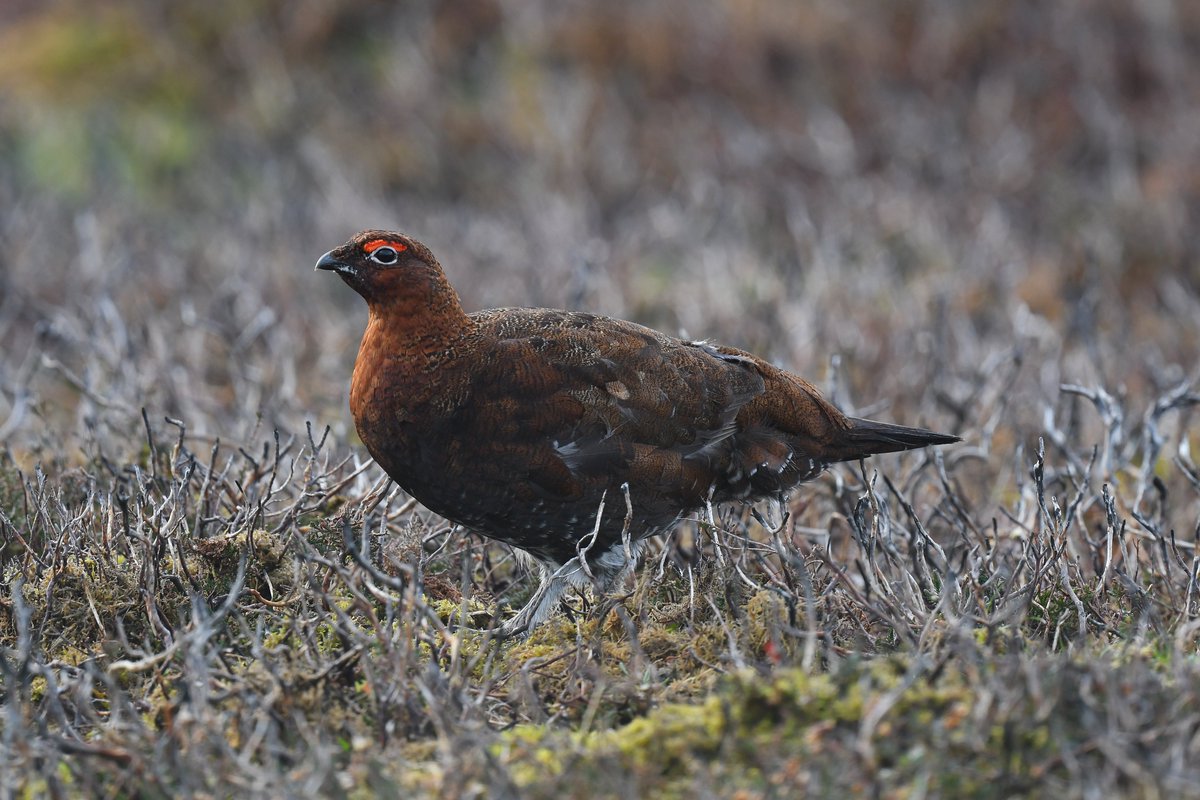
[{"x": 571, "y": 436}]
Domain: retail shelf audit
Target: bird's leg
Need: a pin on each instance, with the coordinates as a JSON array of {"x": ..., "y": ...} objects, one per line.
[
  {"x": 607, "y": 588},
  {"x": 551, "y": 584},
  {"x": 611, "y": 572},
  {"x": 609, "y": 568}
]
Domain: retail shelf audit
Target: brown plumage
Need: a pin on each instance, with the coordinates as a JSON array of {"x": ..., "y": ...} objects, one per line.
[{"x": 525, "y": 424}]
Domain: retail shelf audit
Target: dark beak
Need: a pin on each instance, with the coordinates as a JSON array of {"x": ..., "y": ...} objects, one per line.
[{"x": 330, "y": 262}]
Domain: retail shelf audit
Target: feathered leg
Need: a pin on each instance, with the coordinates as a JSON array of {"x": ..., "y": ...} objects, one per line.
[{"x": 551, "y": 584}]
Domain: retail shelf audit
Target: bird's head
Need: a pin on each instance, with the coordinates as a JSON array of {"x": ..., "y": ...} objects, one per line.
[{"x": 387, "y": 268}]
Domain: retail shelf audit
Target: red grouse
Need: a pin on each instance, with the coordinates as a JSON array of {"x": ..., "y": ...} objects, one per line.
[{"x": 540, "y": 428}]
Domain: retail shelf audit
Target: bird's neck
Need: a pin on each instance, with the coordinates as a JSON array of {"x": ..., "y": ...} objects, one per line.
[
  {"x": 416, "y": 318},
  {"x": 408, "y": 339},
  {"x": 421, "y": 319}
]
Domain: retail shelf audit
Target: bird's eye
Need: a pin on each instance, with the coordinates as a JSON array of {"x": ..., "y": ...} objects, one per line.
[{"x": 384, "y": 255}]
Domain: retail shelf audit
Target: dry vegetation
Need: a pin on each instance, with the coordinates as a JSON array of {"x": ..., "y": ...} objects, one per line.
[{"x": 984, "y": 218}]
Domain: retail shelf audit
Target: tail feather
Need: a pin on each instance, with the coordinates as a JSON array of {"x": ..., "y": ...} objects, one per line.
[{"x": 867, "y": 438}]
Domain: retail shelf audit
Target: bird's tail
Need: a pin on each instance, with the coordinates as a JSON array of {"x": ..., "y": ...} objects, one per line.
[{"x": 867, "y": 438}]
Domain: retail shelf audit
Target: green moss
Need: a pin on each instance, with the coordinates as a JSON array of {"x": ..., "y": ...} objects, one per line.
[
  {"x": 1053, "y": 611},
  {"x": 754, "y": 731},
  {"x": 451, "y": 612}
]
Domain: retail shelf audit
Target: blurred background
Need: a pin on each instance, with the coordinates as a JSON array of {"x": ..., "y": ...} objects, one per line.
[{"x": 938, "y": 211}]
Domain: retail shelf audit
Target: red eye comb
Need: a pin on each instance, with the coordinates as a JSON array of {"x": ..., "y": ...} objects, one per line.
[{"x": 375, "y": 244}]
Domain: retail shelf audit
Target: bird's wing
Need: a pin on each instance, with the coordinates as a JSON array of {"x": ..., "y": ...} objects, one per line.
[{"x": 588, "y": 401}]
